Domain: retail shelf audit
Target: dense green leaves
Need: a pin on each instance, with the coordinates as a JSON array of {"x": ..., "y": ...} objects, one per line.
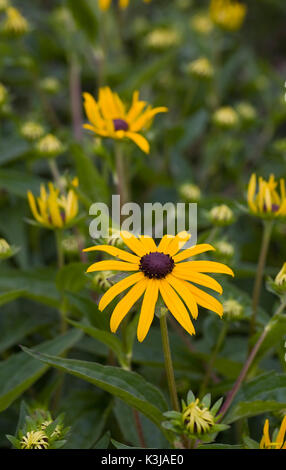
[
  {"x": 129, "y": 386},
  {"x": 20, "y": 371}
]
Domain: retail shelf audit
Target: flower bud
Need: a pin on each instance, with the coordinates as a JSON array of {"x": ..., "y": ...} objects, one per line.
[
  {"x": 280, "y": 279},
  {"x": 15, "y": 24},
  {"x": 200, "y": 68},
  {"x": 32, "y": 130},
  {"x": 224, "y": 249},
  {"x": 221, "y": 215},
  {"x": 226, "y": 117},
  {"x": 201, "y": 23},
  {"x": 232, "y": 310},
  {"x": 190, "y": 192},
  {"x": 49, "y": 146}
]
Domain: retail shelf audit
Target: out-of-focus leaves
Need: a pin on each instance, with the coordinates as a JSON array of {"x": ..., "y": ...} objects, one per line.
[
  {"x": 129, "y": 386},
  {"x": 20, "y": 371},
  {"x": 6, "y": 297},
  {"x": 18, "y": 182},
  {"x": 253, "y": 408},
  {"x": 71, "y": 277},
  {"x": 85, "y": 17},
  {"x": 11, "y": 150},
  {"x": 35, "y": 284}
]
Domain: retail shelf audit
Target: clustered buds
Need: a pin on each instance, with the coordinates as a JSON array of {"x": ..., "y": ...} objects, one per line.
[
  {"x": 221, "y": 215},
  {"x": 197, "y": 420}
]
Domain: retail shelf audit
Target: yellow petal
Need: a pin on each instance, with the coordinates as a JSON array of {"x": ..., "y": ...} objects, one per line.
[
  {"x": 194, "y": 250},
  {"x": 112, "y": 266},
  {"x": 113, "y": 251},
  {"x": 206, "y": 267},
  {"x": 144, "y": 119},
  {"x": 176, "y": 306},
  {"x": 92, "y": 110},
  {"x": 206, "y": 300},
  {"x": 178, "y": 242},
  {"x": 149, "y": 243},
  {"x": 139, "y": 140},
  {"x": 164, "y": 243},
  {"x": 251, "y": 192},
  {"x": 133, "y": 243},
  {"x": 281, "y": 434},
  {"x": 181, "y": 287},
  {"x": 125, "y": 304},
  {"x": 34, "y": 209},
  {"x": 118, "y": 288},
  {"x": 198, "y": 278},
  {"x": 148, "y": 309}
]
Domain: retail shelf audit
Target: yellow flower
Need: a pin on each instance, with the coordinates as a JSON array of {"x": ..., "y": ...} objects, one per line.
[
  {"x": 53, "y": 210},
  {"x": 15, "y": 23},
  {"x": 280, "y": 279},
  {"x": 105, "y": 4},
  {"x": 267, "y": 202},
  {"x": 279, "y": 442},
  {"x": 197, "y": 418},
  {"x": 109, "y": 118},
  {"x": 158, "y": 269},
  {"x": 34, "y": 440},
  {"x": 228, "y": 14}
]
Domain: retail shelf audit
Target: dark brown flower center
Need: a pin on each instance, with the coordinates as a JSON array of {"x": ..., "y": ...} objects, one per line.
[
  {"x": 120, "y": 125},
  {"x": 274, "y": 208},
  {"x": 156, "y": 265}
]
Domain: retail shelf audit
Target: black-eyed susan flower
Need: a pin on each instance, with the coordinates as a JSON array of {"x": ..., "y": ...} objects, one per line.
[
  {"x": 105, "y": 4},
  {"x": 228, "y": 14},
  {"x": 108, "y": 117},
  {"x": 159, "y": 270},
  {"x": 197, "y": 418},
  {"x": 268, "y": 198},
  {"x": 52, "y": 209},
  {"x": 15, "y": 23},
  {"x": 278, "y": 440}
]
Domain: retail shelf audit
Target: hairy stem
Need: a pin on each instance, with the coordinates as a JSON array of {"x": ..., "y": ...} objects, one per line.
[{"x": 168, "y": 363}]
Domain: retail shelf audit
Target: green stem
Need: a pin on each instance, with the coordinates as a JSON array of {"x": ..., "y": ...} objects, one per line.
[
  {"x": 60, "y": 253},
  {"x": 214, "y": 353},
  {"x": 260, "y": 271},
  {"x": 248, "y": 364},
  {"x": 168, "y": 362},
  {"x": 121, "y": 174}
]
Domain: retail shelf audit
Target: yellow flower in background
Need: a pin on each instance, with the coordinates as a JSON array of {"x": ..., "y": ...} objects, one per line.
[
  {"x": 105, "y": 4},
  {"x": 14, "y": 22},
  {"x": 278, "y": 441},
  {"x": 158, "y": 269},
  {"x": 34, "y": 440},
  {"x": 108, "y": 117},
  {"x": 280, "y": 279},
  {"x": 52, "y": 209},
  {"x": 228, "y": 14},
  {"x": 266, "y": 200}
]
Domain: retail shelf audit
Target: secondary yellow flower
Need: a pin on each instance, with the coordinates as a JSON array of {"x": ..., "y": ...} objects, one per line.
[
  {"x": 105, "y": 4},
  {"x": 52, "y": 209},
  {"x": 228, "y": 14},
  {"x": 280, "y": 279},
  {"x": 266, "y": 201},
  {"x": 158, "y": 269},
  {"x": 109, "y": 118},
  {"x": 34, "y": 440},
  {"x": 278, "y": 442},
  {"x": 198, "y": 418}
]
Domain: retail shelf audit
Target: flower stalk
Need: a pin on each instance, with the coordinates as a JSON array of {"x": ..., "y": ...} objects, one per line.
[
  {"x": 168, "y": 362},
  {"x": 267, "y": 231}
]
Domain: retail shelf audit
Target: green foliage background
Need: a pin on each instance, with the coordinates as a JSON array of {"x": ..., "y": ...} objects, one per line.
[{"x": 83, "y": 49}]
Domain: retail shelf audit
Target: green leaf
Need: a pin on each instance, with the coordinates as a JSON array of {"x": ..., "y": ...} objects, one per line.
[
  {"x": 36, "y": 284},
  {"x": 219, "y": 446},
  {"x": 109, "y": 339},
  {"x": 119, "y": 445},
  {"x": 276, "y": 333},
  {"x": 18, "y": 182},
  {"x": 71, "y": 277},
  {"x": 9, "y": 296},
  {"x": 19, "y": 371},
  {"x": 85, "y": 17},
  {"x": 129, "y": 386},
  {"x": 253, "y": 408}
]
